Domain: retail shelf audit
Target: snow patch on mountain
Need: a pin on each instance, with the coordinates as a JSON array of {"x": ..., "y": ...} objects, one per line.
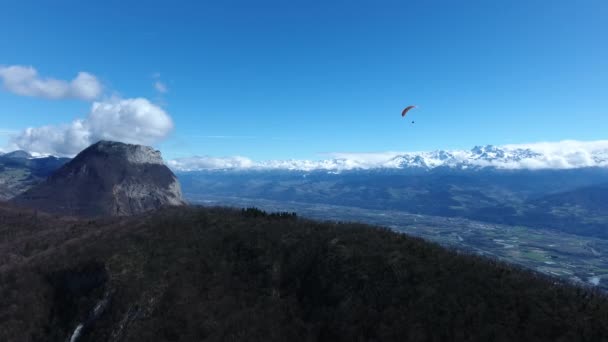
[{"x": 567, "y": 154}]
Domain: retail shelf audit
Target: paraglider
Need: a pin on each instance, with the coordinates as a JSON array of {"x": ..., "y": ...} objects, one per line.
[{"x": 407, "y": 109}]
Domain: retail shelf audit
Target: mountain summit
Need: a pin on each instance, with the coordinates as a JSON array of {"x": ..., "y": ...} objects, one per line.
[
  {"x": 107, "y": 179},
  {"x": 538, "y": 156},
  {"x": 20, "y": 154}
]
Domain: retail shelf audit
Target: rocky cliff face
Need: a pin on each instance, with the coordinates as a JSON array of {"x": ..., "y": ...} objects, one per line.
[{"x": 107, "y": 179}]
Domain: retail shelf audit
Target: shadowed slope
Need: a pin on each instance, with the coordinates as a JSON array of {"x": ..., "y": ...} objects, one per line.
[
  {"x": 107, "y": 179},
  {"x": 192, "y": 274}
]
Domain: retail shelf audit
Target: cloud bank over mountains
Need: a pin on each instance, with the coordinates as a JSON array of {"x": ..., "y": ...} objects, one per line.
[
  {"x": 25, "y": 81},
  {"x": 131, "y": 120},
  {"x": 567, "y": 154}
]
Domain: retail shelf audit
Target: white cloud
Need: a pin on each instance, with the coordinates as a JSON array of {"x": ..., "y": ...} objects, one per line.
[
  {"x": 210, "y": 163},
  {"x": 85, "y": 86},
  {"x": 160, "y": 87},
  {"x": 370, "y": 159},
  {"x": 25, "y": 81},
  {"x": 566, "y": 154},
  {"x": 552, "y": 155},
  {"x": 131, "y": 120},
  {"x": 136, "y": 121}
]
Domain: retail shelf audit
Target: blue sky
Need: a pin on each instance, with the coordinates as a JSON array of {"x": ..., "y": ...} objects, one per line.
[{"x": 296, "y": 79}]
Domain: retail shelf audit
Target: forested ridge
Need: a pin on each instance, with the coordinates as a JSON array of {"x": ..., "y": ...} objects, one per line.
[{"x": 218, "y": 274}]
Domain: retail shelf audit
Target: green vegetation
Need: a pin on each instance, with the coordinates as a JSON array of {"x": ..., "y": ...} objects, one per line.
[{"x": 194, "y": 274}]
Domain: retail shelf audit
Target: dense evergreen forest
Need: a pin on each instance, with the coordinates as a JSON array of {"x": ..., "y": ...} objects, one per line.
[{"x": 200, "y": 274}]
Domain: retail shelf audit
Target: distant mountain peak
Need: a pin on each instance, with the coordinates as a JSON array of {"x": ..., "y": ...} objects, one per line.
[
  {"x": 559, "y": 155},
  {"x": 107, "y": 179},
  {"x": 136, "y": 154},
  {"x": 19, "y": 154}
]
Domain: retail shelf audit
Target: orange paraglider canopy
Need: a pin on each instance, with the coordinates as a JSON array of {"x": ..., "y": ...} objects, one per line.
[{"x": 407, "y": 109}]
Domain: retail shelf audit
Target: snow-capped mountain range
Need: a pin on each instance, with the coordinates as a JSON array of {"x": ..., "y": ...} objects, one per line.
[
  {"x": 567, "y": 154},
  {"x": 560, "y": 155}
]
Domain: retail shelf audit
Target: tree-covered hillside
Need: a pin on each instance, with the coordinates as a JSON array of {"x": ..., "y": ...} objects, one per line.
[{"x": 194, "y": 274}]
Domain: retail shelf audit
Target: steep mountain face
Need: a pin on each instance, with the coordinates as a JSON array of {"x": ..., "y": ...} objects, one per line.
[{"x": 107, "y": 179}]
